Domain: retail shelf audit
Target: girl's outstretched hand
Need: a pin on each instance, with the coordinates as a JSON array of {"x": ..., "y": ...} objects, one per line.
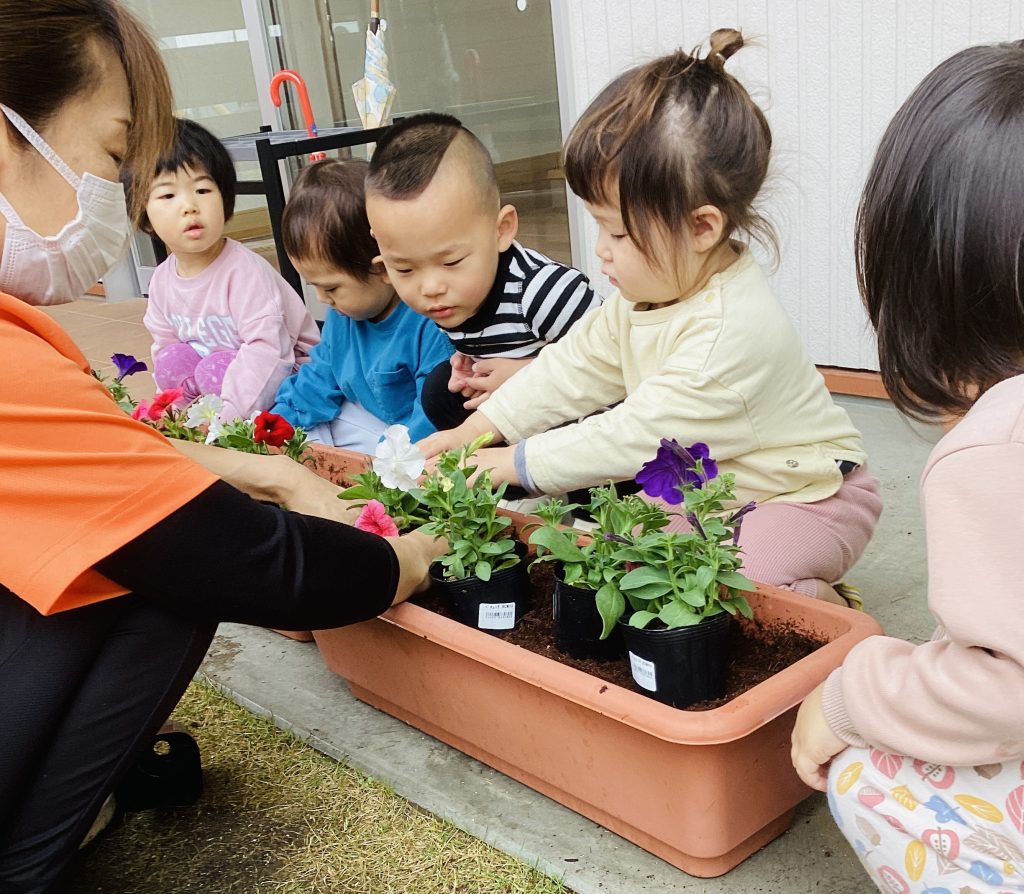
[
  {"x": 813, "y": 743},
  {"x": 454, "y": 438},
  {"x": 501, "y": 462}
]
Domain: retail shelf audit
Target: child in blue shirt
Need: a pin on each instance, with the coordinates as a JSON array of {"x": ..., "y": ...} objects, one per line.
[{"x": 368, "y": 371}]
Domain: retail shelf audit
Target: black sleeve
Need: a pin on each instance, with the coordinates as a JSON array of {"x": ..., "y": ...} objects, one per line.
[{"x": 226, "y": 557}]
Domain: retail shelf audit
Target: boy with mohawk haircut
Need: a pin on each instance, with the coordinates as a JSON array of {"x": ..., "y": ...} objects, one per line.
[{"x": 448, "y": 245}]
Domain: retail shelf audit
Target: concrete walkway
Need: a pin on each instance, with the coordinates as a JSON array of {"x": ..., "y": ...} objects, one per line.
[{"x": 288, "y": 681}]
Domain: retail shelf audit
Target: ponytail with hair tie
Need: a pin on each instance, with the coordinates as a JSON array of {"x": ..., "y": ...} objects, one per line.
[{"x": 723, "y": 43}]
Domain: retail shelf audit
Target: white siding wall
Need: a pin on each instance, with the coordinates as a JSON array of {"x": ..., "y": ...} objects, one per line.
[{"x": 830, "y": 74}]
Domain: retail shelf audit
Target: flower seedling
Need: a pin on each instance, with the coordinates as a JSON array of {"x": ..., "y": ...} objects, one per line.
[
  {"x": 391, "y": 482},
  {"x": 462, "y": 507},
  {"x": 126, "y": 365},
  {"x": 634, "y": 566}
]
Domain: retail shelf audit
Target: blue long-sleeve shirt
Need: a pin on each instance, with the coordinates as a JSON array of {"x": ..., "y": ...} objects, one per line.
[{"x": 379, "y": 365}]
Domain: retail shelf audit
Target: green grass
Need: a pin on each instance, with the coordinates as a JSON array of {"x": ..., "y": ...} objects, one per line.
[{"x": 278, "y": 816}]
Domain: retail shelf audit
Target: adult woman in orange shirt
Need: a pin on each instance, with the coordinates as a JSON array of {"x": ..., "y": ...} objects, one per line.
[{"x": 118, "y": 556}]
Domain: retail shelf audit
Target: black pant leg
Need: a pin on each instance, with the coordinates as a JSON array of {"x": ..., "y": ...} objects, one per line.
[
  {"x": 81, "y": 694},
  {"x": 442, "y": 407}
]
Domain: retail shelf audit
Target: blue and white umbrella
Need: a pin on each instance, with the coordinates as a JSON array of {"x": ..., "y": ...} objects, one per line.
[{"x": 374, "y": 93}]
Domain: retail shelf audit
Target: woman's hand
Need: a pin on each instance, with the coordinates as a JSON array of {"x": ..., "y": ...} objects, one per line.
[
  {"x": 454, "y": 438},
  {"x": 272, "y": 479},
  {"x": 813, "y": 743},
  {"x": 416, "y": 552}
]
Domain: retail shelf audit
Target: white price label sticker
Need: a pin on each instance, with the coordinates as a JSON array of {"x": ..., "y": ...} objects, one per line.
[
  {"x": 643, "y": 672},
  {"x": 497, "y": 616}
]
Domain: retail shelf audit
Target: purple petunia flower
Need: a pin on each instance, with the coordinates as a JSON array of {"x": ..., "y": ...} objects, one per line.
[
  {"x": 737, "y": 519},
  {"x": 127, "y": 365},
  {"x": 675, "y": 466}
]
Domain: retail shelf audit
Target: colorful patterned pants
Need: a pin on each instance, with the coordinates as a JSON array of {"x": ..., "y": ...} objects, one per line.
[{"x": 922, "y": 828}]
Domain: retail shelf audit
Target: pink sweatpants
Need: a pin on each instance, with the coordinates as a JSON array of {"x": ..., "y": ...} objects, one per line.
[
  {"x": 794, "y": 545},
  {"x": 180, "y": 366}
]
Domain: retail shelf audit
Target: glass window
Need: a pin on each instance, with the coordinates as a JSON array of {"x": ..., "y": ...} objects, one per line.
[{"x": 489, "y": 62}]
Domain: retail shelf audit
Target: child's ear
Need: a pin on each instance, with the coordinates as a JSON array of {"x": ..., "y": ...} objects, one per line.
[
  {"x": 377, "y": 268},
  {"x": 508, "y": 226},
  {"x": 707, "y": 226}
]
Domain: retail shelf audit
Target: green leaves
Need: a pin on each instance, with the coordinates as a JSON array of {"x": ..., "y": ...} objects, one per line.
[
  {"x": 464, "y": 510},
  {"x": 639, "y": 569},
  {"x": 403, "y": 506},
  {"x": 610, "y": 605},
  {"x": 561, "y": 544}
]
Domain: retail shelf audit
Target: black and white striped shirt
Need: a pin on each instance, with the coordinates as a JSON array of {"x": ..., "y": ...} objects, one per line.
[{"x": 533, "y": 301}]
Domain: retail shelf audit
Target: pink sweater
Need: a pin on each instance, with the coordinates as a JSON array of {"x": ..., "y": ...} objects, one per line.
[
  {"x": 958, "y": 699},
  {"x": 239, "y": 303}
]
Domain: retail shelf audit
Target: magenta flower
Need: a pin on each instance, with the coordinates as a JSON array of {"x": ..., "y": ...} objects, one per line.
[
  {"x": 127, "y": 365},
  {"x": 375, "y": 519},
  {"x": 675, "y": 466}
]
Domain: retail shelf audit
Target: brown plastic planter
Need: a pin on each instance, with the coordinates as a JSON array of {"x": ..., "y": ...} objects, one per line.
[{"x": 702, "y": 790}]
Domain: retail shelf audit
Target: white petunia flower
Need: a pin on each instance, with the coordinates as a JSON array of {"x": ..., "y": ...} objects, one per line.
[
  {"x": 397, "y": 461},
  {"x": 204, "y": 411},
  {"x": 215, "y": 431}
]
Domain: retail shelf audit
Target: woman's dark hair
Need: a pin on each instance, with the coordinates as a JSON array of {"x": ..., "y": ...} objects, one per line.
[
  {"x": 48, "y": 56},
  {"x": 325, "y": 218},
  {"x": 940, "y": 234},
  {"x": 196, "y": 148},
  {"x": 670, "y": 136}
]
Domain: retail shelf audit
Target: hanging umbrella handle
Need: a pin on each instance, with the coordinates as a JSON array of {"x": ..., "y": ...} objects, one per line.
[
  {"x": 286, "y": 74},
  {"x": 374, "y": 16}
]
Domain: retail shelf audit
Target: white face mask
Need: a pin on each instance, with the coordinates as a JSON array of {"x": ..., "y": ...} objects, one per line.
[{"x": 56, "y": 269}]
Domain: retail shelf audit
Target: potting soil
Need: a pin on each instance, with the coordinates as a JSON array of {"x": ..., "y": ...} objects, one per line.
[{"x": 756, "y": 651}]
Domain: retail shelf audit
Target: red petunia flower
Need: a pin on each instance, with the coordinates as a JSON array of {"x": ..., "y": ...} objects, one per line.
[
  {"x": 375, "y": 519},
  {"x": 162, "y": 402},
  {"x": 271, "y": 429}
]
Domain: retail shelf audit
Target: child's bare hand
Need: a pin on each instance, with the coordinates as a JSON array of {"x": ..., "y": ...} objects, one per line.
[
  {"x": 462, "y": 369},
  {"x": 439, "y": 442},
  {"x": 813, "y": 743},
  {"x": 501, "y": 462},
  {"x": 488, "y": 375},
  {"x": 475, "y": 426}
]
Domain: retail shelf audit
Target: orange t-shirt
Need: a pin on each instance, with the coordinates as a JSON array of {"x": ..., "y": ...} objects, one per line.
[{"x": 78, "y": 478}]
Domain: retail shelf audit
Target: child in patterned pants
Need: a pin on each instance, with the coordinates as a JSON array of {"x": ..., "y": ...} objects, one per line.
[{"x": 931, "y": 793}]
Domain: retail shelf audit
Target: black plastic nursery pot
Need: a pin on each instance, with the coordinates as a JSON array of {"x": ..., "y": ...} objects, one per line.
[
  {"x": 492, "y": 606},
  {"x": 681, "y": 666},
  {"x": 578, "y": 624}
]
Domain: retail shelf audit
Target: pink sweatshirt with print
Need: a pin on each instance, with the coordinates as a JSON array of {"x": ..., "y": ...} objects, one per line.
[
  {"x": 958, "y": 699},
  {"x": 239, "y": 303}
]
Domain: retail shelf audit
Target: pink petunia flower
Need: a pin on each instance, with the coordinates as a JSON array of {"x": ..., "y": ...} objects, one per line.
[
  {"x": 375, "y": 519},
  {"x": 141, "y": 411}
]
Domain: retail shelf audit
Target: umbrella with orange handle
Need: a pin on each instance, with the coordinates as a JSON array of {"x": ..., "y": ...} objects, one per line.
[{"x": 286, "y": 74}]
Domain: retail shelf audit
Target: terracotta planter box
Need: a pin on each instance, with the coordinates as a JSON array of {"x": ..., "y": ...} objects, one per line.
[{"x": 702, "y": 790}]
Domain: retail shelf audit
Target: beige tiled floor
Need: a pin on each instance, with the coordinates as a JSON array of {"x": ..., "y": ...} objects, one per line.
[{"x": 101, "y": 329}]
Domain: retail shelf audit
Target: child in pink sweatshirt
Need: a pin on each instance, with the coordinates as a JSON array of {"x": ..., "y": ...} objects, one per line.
[
  {"x": 223, "y": 320},
  {"x": 920, "y": 747}
]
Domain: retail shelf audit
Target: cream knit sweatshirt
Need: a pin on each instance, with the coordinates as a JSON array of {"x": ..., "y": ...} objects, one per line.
[{"x": 724, "y": 367}]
